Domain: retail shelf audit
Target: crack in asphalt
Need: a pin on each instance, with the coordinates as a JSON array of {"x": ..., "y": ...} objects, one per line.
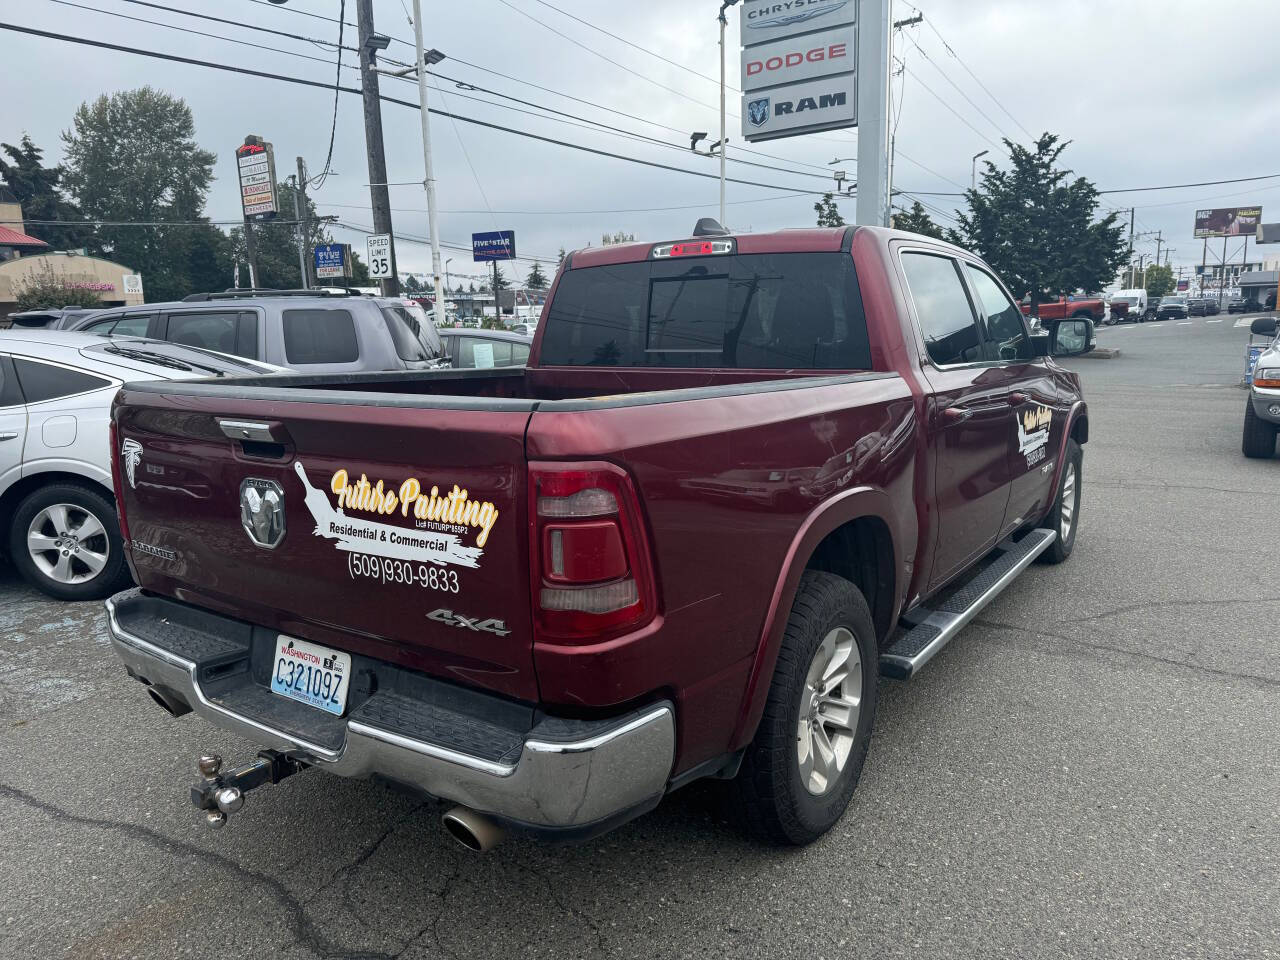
[
  {"x": 1150, "y": 485},
  {"x": 568, "y": 908},
  {"x": 344, "y": 874},
  {"x": 304, "y": 930},
  {"x": 1138, "y": 654},
  {"x": 1131, "y": 607}
]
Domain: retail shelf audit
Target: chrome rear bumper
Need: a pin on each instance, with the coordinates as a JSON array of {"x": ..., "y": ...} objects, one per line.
[{"x": 568, "y": 775}]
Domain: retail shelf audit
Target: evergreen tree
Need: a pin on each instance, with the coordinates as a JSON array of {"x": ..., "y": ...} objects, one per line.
[
  {"x": 917, "y": 220},
  {"x": 1038, "y": 228},
  {"x": 537, "y": 280},
  {"x": 38, "y": 189}
]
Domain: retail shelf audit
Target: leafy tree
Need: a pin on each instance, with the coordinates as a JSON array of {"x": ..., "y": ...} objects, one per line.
[
  {"x": 132, "y": 156},
  {"x": 1159, "y": 280},
  {"x": 917, "y": 220},
  {"x": 1037, "y": 227},
  {"x": 500, "y": 282},
  {"x": 412, "y": 284},
  {"x": 561, "y": 255},
  {"x": 473, "y": 286},
  {"x": 276, "y": 242},
  {"x": 37, "y": 189},
  {"x": 828, "y": 213},
  {"x": 609, "y": 239},
  {"x": 537, "y": 280},
  {"x": 42, "y": 287}
]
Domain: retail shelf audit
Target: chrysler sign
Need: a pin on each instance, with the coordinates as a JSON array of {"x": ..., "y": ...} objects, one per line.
[
  {"x": 764, "y": 20},
  {"x": 799, "y": 67},
  {"x": 799, "y": 58}
]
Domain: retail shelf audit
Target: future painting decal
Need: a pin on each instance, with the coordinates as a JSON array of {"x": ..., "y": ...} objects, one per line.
[
  {"x": 1033, "y": 432},
  {"x": 417, "y": 555}
]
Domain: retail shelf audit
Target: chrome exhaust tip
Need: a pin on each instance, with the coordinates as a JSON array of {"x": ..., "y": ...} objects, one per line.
[{"x": 473, "y": 830}]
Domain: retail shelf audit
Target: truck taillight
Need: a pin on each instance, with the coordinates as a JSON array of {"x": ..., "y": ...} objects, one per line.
[
  {"x": 117, "y": 481},
  {"x": 592, "y": 571}
]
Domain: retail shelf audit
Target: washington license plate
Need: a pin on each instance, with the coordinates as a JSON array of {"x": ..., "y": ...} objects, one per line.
[{"x": 311, "y": 674}]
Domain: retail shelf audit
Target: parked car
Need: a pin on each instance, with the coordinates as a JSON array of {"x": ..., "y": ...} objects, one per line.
[
  {"x": 1262, "y": 409},
  {"x": 525, "y": 329},
  {"x": 678, "y": 544},
  {"x": 1095, "y": 308},
  {"x": 50, "y": 318},
  {"x": 1243, "y": 305},
  {"x": 1172, "y": 308},
  {"x": 57, "y": 508},
  {"x": 1129, "y": 305},
  {"x": 303, "y": 330},
  {"x": 486, "y": 348}
]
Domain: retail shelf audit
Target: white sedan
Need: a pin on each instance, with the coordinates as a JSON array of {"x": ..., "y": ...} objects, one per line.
[{"x": 56, "y": 500}]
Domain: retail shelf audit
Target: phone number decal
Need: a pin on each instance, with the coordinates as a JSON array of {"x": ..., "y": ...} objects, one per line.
[{"x": 386, "y": 570}]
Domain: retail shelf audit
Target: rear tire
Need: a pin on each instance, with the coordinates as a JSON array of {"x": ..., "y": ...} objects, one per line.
[
  {"x": 1259, "y": 442},
  {"x": 1064, "y": 515},
  {"x": 801, "y": 769},
  {"x": 65, "y": 541}
]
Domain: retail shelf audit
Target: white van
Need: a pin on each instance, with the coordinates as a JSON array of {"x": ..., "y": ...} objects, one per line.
[{"x": 1136, "y": 310}]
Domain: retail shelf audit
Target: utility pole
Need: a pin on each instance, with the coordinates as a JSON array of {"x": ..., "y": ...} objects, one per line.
[
  {"x": 1204, "y": 265},
  {"x": 251, "y": 251},
  {"x": 1131, "y": 277},
  {"x": 1159, "y": 242},
  {"x": 302, "y": 230},
  {"x": 422, "y": 60},
  {"x": 1222, "y": 285},
  {"x": 370, "y": 44},
  {"x": 297, "y": 230},
  {"x": 874, "y": 28},
  {"x": 724, "y": 136}
]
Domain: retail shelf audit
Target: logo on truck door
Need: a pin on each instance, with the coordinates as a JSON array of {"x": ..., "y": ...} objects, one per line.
[
  {"x": 444, "y": 520},
  {"x": 131, "y": 454},
  {"x": 1033, "y": 432}
]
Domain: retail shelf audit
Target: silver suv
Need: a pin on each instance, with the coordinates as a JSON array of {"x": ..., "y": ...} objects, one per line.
[{"x": 300, "y": 329}]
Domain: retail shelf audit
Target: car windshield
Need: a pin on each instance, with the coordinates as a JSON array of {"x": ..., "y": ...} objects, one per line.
[
  {"x": 175, "y": 356},
  {"x": 1174, "y": 301},
  {"x": 412, "y": 331}
]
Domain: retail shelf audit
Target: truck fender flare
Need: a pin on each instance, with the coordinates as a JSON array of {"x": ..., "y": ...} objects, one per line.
[
  {"x": 1078, "y": 409},
  {"x": 850, "y": 505}
]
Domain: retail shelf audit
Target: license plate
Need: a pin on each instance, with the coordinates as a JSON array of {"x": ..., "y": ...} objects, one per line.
[{"x": 311, "y": 674}]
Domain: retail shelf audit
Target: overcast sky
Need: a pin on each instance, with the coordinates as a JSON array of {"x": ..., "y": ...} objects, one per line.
[{"x": 1150, "y": 92}]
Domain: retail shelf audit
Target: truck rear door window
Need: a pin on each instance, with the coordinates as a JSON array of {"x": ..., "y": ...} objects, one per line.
[
  {"x": 942, "y": 305},
  {"x": 755, "y": 311},
  {"x": 320, "y": 336}
]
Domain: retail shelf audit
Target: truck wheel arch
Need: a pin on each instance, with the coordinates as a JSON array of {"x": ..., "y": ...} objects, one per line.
[{"x": 852, "y": 535}]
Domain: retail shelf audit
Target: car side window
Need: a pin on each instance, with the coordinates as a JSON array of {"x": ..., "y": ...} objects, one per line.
[
  {"x": 210, "y": 331},
  {"x": 134, "y": 326},
  {"x": 320, "y": 336},
  {"x": 10, "y": 394},
  {"x": 946, "y": 318},
  {"x": 519, "y": 354},
  {"x": 102, "y": 328},
  {"x": 1007, "y": 337},
  {"x": 44, "y": 381}
]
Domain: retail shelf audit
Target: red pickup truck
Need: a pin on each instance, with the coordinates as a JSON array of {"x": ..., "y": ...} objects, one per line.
[
  {"x": 739, "y": 480},
  {"x": 1092, "y": 307}
]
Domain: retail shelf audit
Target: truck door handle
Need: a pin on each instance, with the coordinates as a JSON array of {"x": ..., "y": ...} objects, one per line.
[
  {"x": 1018, "y": 399},
  {"x": 8, "y": 436},
  {"x": 953, "y": 415}
]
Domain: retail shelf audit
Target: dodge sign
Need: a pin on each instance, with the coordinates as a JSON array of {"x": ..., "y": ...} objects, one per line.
[{"x": 799, "y": 58}]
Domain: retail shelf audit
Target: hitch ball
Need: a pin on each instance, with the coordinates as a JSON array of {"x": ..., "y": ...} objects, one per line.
[
  {"x": 208, "y": 765},
  {"x": 216, "y": 819},
  {"x": 229, "y": 800}
]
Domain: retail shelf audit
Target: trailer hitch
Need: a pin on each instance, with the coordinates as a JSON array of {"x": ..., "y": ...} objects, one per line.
[{"x": 221, "y": 794}]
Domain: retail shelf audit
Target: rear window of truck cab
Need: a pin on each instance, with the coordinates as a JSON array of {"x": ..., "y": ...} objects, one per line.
[{"x": 755, "y": 311}]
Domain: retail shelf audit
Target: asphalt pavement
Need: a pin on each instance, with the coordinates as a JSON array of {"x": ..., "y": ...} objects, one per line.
[{"x": 1089, "y": 770}]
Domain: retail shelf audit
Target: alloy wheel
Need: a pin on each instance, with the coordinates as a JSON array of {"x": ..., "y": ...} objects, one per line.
[
  {"x": 830, "y": 703},
  {"x": 1067, "y": 512},
  {"x": 67, "y": 543}
]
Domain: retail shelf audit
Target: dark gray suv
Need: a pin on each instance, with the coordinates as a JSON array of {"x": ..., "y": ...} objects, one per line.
[{"x": 299, "y": 329}]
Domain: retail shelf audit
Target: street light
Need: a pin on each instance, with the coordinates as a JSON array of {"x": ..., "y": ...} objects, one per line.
[
  {"x": 724, "y": 22},
  {"x": 832, "y": 163},
  {"x": 446, "y": 274},
  {"x": 422, "y": 59},
  {"x": 974, "y": 178}
]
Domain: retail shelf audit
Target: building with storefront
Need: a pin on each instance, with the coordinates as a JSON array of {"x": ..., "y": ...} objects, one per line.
[{"x": 24, "y": 259}]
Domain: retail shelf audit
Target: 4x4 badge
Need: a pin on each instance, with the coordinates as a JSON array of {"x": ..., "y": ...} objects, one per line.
[{"x": 497, "y": 627}]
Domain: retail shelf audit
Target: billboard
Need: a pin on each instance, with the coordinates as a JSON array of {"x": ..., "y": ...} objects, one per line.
[
  {"x": 498, "y": 245},
  {"x": 256, "y": 166},
  {"x": 332, "y": 260},
  {"x": 1228, "y": 222},
  {"x": 799, "y": 67}
]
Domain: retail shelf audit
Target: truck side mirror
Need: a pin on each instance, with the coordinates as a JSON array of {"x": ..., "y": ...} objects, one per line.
[
  {"x": 1265, "y": 326},
  {"x": 1070, "y": 338}
]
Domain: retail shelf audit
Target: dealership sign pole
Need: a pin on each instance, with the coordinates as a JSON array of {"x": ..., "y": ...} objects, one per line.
[{"x": 256, "y": 166}]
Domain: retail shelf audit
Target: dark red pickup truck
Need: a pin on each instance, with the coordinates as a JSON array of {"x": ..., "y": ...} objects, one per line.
[{"x": 740, "y": 479}]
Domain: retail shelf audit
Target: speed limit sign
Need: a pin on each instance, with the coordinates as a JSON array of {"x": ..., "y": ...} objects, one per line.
[{"x": 378, "y": 248}]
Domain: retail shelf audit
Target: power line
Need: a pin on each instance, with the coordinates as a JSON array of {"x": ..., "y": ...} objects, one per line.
[
  {"x": 620, "y": 66},
  {"x": 929, "y": 90},
  {"x": 319, "y": 179},
  {"x": 230, "y": 23},
  {"x": 954, "y": 85},
  {"x": 303, "y": 13},
  {"x": 175, "y": 58},
  {"x": 575, "y": 213},
  {"x": 1204, "y": 183},
  {"x": 636, "y": 46}
]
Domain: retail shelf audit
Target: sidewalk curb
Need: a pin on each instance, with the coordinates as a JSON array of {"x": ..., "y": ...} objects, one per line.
[{"x": 1101, "y": 353}]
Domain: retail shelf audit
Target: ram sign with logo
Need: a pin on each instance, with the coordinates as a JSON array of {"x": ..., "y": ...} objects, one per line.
[{"x": 799, "y": 67}]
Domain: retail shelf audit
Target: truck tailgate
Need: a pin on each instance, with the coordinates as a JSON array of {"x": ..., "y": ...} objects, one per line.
[{"x": 404, "y": 528}]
